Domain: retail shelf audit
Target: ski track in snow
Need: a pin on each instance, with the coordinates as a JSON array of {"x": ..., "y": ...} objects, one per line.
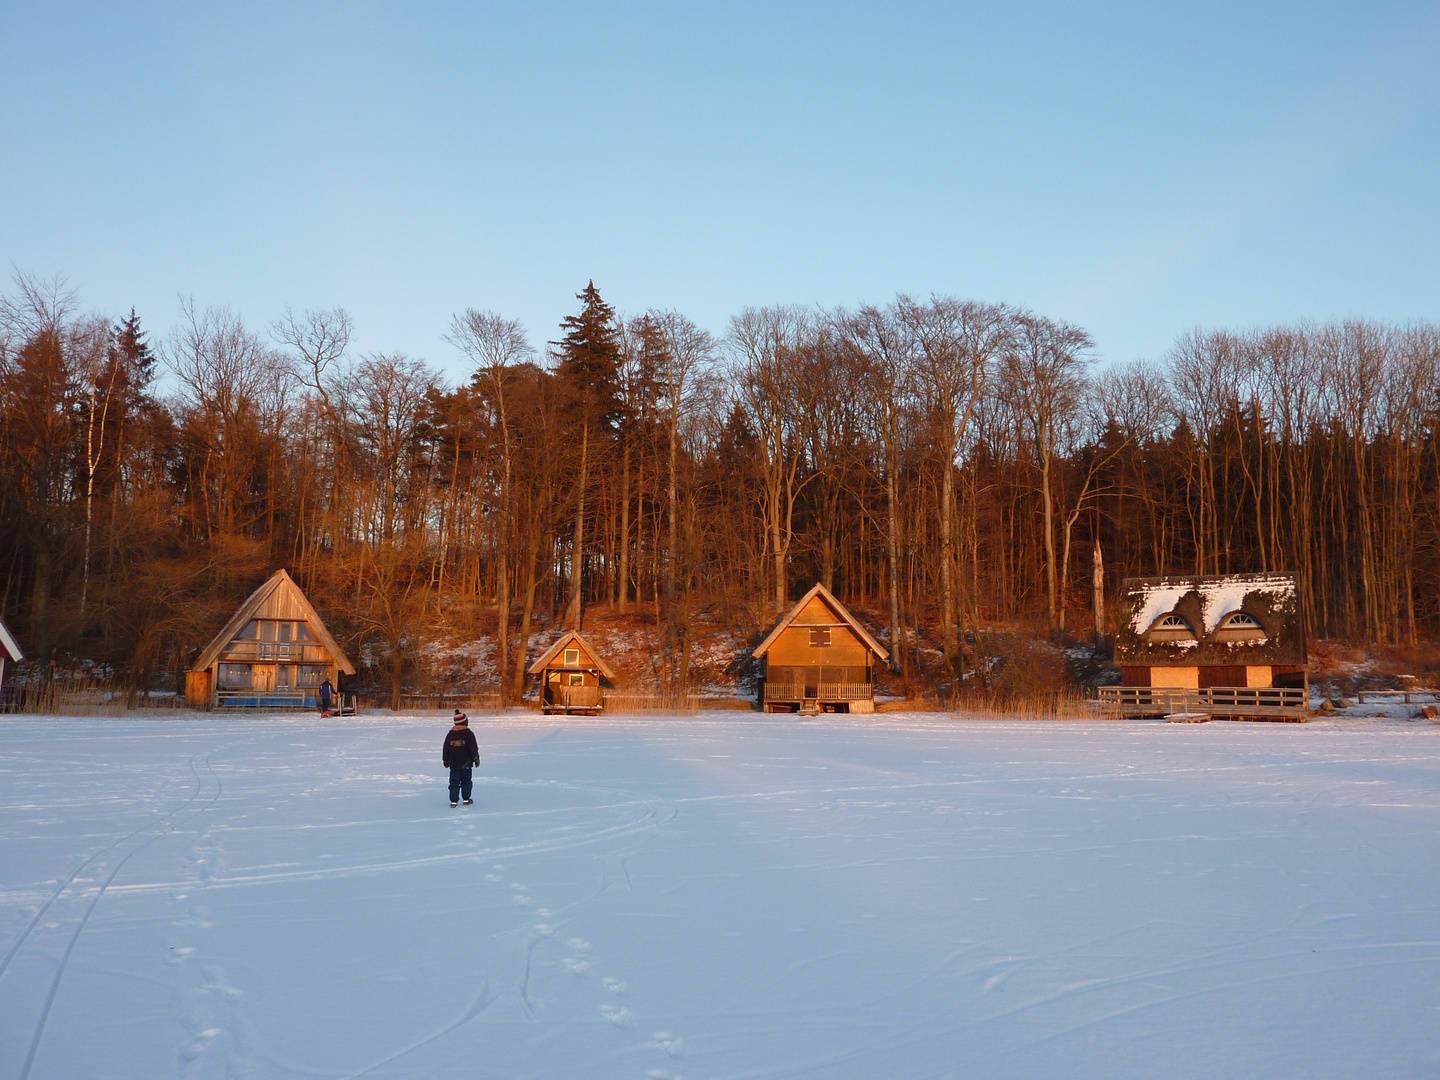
[{"x": 673, "y": 899}]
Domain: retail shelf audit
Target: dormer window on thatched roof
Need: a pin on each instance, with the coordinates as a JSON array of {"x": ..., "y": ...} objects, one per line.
[
  {"x": 1171, "y": 627},
  {"x": 1240, "y": 626}
]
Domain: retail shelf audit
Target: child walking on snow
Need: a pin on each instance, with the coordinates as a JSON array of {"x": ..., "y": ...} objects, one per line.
[{"x": 461, "y": 754}]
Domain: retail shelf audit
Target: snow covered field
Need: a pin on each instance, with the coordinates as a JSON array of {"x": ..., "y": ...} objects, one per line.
[{"x": 903, "y": 896}]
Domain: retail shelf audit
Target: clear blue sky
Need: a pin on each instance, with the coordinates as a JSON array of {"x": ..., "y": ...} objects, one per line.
[{"x": 1138, "y": 169}]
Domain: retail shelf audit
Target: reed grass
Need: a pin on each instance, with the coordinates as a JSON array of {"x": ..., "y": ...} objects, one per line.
[{"x": 70, "y": 694}]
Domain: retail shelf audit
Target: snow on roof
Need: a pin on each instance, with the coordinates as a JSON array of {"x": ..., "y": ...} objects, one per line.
[
  {"x": 1155, "y": 601},
  {"x": 1219, "y": 597}
]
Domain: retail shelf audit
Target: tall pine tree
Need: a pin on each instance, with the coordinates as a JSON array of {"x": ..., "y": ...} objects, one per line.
[{"x": 588, "y": 366}]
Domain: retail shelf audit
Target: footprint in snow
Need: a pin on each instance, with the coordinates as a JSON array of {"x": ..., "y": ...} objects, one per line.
[
  {"x": 217, "y": 983},
  {"x": 196, "y": 917},
  {"x": 198, "y": 1045},
  {"x": 620, "y": 1017},
  {"x": 615, "y": 986},
  {"x": 576, "y": 965},
  {"x": 579, "y": 944},
  {"x": 671, "y": 1044}
]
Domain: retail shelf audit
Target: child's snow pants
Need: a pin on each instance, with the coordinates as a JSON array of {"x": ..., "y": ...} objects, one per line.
[{"x": 460, "y": 784}]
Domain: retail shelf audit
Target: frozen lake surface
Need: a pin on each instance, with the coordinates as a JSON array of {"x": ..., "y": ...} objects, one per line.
[{"x": 719, "y": 897}]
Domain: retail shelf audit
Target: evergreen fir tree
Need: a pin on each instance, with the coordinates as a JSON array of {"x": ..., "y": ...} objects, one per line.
[
  {"x": 589, "y": 359},
  {"x": 589, "y": 369}
]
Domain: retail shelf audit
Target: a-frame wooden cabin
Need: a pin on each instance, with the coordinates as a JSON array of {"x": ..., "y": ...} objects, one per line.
[
  {"x": 572, "y": 676},
  {"x": 273, "y": 653},
  {"x": 819, "y": 659}
]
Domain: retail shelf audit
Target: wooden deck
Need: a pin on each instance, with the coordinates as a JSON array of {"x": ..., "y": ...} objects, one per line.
[
  {"x": 813, "y": 698},
  {"x": 307, "y": 698},
  {"x": 1243, "y": 702},
  {"x": 574, "y": 698}
]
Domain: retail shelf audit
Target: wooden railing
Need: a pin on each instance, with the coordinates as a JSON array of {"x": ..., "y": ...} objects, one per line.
[
  {"x": 268, "y": 699},
  {"x": 288, "y": 652},
  {"x": 784, "y": 692},
  {"x": 1390, "y": 695},
  {"x": 821, "y": 692},
  {"x": 575, "y": 697},
  {"x": 285, "y": 698},
  {"x": 1279, "y": 701}
]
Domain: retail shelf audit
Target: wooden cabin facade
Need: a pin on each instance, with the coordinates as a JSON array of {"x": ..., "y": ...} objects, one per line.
[
  {"x": 273, "y": 653},
  {"x": 1223, "y": 645},
  {"x": 9, "y": 651},
  {"x": 572, "y": 676},
  {"x": 819, "y": 659}
]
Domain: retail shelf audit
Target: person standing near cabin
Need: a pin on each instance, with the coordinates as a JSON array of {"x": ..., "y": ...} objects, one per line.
[
  {"x": 460, "y": 755},
  {"x": 327, "y": 691}
]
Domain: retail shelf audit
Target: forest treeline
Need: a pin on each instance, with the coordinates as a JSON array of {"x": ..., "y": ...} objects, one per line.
[{"x": 945, "y": 464}]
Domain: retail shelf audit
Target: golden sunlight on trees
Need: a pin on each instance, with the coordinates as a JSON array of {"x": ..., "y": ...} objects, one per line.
[{"x": 942, "y": 465}]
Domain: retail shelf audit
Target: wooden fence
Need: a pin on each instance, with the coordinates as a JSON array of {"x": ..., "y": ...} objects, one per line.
[{"x": 1261, "y": 702}]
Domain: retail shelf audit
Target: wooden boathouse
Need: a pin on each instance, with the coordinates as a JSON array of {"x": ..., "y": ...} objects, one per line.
[
  {"x": 1229, "y": 645},
  {"x": 9, "y": 651},
  {"x": 572, "y": 676},
  {"x": 819, "y": 659},
  {"x": 273, "y": 654}
]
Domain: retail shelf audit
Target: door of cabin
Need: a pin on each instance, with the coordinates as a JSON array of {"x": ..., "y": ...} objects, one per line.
[{"x": 262, "y": 678}]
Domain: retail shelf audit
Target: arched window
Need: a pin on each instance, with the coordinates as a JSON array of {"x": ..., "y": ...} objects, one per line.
[
  {"x": 1240, "y": 626},
  {"x": 1171, "y": 627}
]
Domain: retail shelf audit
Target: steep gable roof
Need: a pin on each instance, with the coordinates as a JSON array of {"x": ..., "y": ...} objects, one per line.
[
  {"x": 279, "y": 580},
  {"x": 8, "y": 643},
  {"x": 841, "y": 612},
  {"x": 565, "y": 639}
]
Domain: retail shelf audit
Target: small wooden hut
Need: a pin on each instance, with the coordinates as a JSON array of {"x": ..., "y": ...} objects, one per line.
[
  {"x": 273, "y": 653},
  {"x": 9, "y": 650},
  {"x": 572, "y": 676},
  {"x": 819, "y": 659},
  {"x": 1223, "y": 645}
]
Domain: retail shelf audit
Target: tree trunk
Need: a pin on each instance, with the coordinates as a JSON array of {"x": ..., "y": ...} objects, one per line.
[
  {"x": 532, "y": 581},
  {"x": 892, "y": 555},
  {"x": 1097, "y": 583},
  {"x": 777, "y": 553},
  {"x": 624, "y": 583},
  {"x": 502, "y": 583},
  {"x": 1049, "y": 526},
  {"x": 577, "y": 580},
  {"x": 947, "y": 554},
  {"x": 670, "y": 560}
]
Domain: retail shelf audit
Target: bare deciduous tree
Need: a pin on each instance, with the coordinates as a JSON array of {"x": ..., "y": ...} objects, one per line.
[{"x": 495, "y": 345}]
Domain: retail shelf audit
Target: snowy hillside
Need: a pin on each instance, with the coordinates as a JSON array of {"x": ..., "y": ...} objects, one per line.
[{"x": 905, "y": 896}]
